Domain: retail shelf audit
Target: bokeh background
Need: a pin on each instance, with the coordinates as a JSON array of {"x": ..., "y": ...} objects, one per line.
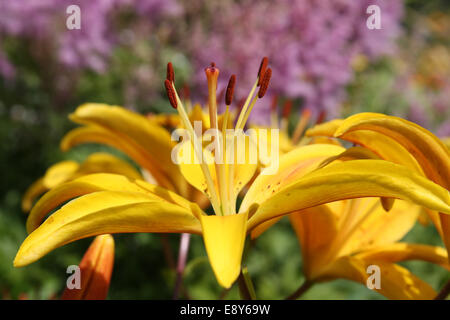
[{"x": 323, "y": 58}]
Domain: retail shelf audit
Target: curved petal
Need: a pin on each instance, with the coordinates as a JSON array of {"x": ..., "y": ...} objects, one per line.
[
  {"x": 35, "y": 190},
  {"x": 67, "y": 170},
  {"x": 224, "y": 238},
  {"x": 316, "y": 228},
  {"x": 384, "y": 146},
  {"x": 446, "y": 141},
  {"x": 324, "y": 129},
  {"x": 101, "y": 162},
  {"x": 96, "y": 270},
  {"x": 292, "y": 166},
  {"x": 128, "y": 130},
  {"x": 261, "y": 228},
  {"x": 127, "y": 124},
  {"x": 105, "y": 212},
  {"x": 396, "y": 282},
  {"x": 353, "y": 179},
  {"x": 370, "y": 225},
  {"x": 353, "y": 153},
  {"x": 92, "y": 134},
  {"x": 399, "y": 251},
  {"x": 59, "y": 173},
  {"x": 429, "y": 151},
  {"x": 93, "y": 183}
]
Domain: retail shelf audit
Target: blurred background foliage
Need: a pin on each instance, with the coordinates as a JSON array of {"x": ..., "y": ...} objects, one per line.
[{"x": 323, "y": 56}]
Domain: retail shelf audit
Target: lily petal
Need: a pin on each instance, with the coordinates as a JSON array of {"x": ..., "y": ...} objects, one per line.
[
  {"x": 316, "y": 228},
  {"x": 401, "y": 251},
  {"x": 372, "y": 226},
  {"x": 429, "y": 151},
  {"x": 148, "y": 144},
  {"x": 397, "y": 282},
  {"x": 292, "y": 166},
  {"x": 352, "y": 179},
  {"x": 224, "y": 238},
  {"x": 105, "y": 212},
  {"x": 382, "y": 145},
  {"x": 96, "y": 270},
  {"x": 93, "y": 183},
  {"x": 59, "y": 173},
  {"x": 101, "y": 162},
  {"x": 35, "y": 190}
]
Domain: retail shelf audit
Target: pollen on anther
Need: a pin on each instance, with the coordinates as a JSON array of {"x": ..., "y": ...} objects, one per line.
[
  {"x": 230, "y": 90},
  {"x": 170, "y": 72},
  {"x": 262, "y": 69},
  {"x": 265, "y": 83},
  {"x": 171, "y": 93}
]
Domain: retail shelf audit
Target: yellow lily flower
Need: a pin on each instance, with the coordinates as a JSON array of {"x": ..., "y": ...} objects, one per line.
[
  {"x": 400, "y": 141},
  {"x": 342, "y": 239},
  {"x": 110, "y": 203}
]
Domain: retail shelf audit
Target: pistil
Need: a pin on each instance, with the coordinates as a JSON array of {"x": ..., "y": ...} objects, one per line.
[{"x": 212, "y": 74}]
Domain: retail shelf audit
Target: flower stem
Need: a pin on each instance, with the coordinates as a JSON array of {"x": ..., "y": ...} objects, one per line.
[
  {"x": 246, "y": 286},
  {"x": 182, "y": 256},
  {"x": 445, "y": 291},
  {"x": 301, "y": 290}
]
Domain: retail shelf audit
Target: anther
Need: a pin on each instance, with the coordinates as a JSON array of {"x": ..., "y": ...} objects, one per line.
[
  {"x": 264, "y": 83},
  {"x": 287, "y": 108},
  {"x": 170, "y": 72},
  {"x": 230, "y": 90},
  {"x": 171, "y": 93},
  {"x": 262, "y": 69}
]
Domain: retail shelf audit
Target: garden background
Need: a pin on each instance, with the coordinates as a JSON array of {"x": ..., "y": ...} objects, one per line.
[{"x": 323, "y": 56}]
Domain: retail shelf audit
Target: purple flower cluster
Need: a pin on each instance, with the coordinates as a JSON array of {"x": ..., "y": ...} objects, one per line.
[
  {"x": 310, "y": 44},
  {"x": 44, "y": 22}
]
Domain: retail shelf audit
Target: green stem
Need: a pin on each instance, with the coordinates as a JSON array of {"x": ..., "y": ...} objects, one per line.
[
  {"x": 246, "y": 286},
  {"x": 301, "y": 290}
]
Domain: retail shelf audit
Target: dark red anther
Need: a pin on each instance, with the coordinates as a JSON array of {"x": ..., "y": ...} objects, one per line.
[
  {"x": 171, "y": 93},
  {"x": 230, "y": 90},
  {"x": 262, "y": 69},
  {"x": 170, "y": 72},
  {"x": 265, "y": 83},
  {"x": 287, "y": 108}
]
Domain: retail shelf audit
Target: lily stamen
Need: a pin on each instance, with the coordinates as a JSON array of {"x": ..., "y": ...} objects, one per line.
[
  {"x": 261, "y": 72},
  {"x": 177, "y": 104}
]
